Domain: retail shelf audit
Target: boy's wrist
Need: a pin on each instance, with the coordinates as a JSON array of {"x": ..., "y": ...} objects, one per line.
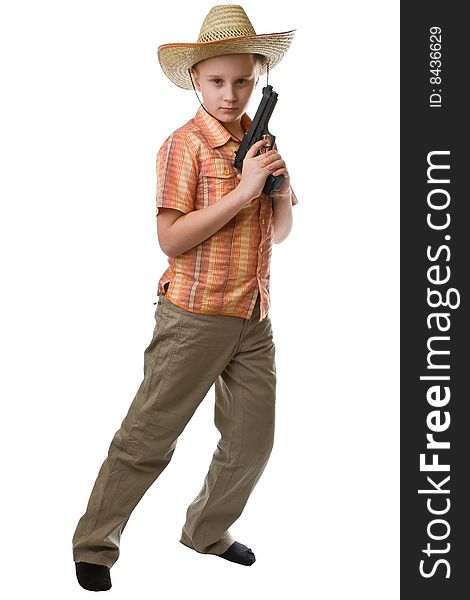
[
  {"x": 242, "y": 195},
  {"x": 287, "y": 195}
]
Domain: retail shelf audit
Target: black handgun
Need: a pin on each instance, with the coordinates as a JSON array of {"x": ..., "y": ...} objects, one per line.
[{"x": 259, "y": 130}]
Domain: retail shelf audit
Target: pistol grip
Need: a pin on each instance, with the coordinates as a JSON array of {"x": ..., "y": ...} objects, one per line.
[{"x": 273, "y": 183}]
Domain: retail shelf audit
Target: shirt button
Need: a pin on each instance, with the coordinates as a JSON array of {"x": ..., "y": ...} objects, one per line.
[
  {"x": 227, "y": 171},
  {"x": 261, "y": 249},
  {"x": 262, "y": 221}
]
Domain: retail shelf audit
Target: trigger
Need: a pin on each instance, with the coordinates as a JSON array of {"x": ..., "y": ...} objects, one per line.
[{"x": 268, "y": 138}]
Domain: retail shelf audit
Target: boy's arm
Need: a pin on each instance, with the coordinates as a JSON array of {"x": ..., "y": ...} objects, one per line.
[
  {"x": 282, "y": 212},
  {"x": 178, "y": 232},
  {"x": 282, "y": 215}
]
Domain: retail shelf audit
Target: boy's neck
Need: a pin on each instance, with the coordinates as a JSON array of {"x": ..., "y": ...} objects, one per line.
[{"x": 235, "y": 129}]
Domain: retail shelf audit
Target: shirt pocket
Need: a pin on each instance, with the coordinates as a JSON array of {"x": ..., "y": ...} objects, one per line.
[{"x": 218, "y": 178}]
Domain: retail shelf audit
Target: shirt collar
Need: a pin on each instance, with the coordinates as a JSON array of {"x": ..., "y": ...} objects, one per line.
[{"x": 214, "y": 131}]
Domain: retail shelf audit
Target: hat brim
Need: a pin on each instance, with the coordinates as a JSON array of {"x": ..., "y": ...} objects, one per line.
[{"x": 176, "y": 59}]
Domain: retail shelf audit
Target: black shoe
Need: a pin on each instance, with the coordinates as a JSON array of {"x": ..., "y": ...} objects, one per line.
[
  {"x": 239, "y": 553},
  {"x": 95, "y": 578}
]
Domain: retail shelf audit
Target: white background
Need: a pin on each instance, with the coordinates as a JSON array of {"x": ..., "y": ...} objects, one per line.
[{"x": 84, "y": 108}]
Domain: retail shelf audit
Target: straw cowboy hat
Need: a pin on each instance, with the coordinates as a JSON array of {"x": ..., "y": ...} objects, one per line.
[{"x": 226, "y": 30}]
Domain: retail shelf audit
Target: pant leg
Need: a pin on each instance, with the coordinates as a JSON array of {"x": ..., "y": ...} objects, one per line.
[
  {"x": 184, "y": 358},
  {"x": 245, "y": 416}
]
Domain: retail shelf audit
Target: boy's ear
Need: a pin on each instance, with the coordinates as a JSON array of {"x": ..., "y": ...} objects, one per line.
[{"x": 196, "y": 80}]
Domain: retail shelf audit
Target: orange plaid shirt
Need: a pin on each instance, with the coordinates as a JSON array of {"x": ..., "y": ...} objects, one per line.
[{"x": 223, "y": 274}]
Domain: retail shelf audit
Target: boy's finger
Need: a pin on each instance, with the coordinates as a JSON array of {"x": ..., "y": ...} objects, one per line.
[{"x": 253, "y": 151}]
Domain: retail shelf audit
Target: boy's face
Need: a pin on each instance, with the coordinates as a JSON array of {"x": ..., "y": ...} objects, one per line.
[{"x": 227, "y": 82}]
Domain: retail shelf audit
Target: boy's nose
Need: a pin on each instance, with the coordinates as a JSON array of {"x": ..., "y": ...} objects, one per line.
[{"x": 229, "y": 95}]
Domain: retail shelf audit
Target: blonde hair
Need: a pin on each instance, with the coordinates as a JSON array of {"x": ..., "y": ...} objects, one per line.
[{"x": 259, "y": 59}]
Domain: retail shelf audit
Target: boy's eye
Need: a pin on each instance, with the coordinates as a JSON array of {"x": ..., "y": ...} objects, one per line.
[{"x": 217, "y": 81}]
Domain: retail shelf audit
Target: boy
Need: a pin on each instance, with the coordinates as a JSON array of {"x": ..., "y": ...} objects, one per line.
[{"x": 212, "y": 324}]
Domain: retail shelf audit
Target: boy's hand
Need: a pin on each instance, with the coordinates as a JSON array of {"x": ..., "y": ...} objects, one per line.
[
  {"x": 279, "y": 168},
  {"x": 257, "y": 168},
  {"x": 284, "y": 190}
]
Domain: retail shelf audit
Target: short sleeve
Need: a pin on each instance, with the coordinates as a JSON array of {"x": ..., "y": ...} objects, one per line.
[{"x": 177, "y": 174}]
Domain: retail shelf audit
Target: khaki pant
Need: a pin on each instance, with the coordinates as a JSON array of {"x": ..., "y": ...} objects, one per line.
[{"x": 187, "y": 354}]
